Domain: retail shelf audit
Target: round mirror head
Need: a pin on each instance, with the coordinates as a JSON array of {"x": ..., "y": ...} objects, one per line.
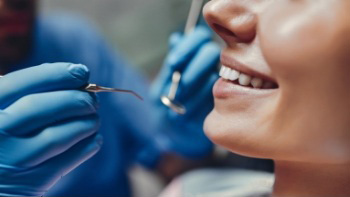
[{"x": 175, "y": 106}]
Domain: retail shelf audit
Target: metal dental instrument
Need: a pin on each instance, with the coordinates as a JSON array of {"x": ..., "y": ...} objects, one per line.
[
  {"x": 95, "y": 88},
  {"x": 169, "y": 101},
  {"x": 193, "y": 16}
]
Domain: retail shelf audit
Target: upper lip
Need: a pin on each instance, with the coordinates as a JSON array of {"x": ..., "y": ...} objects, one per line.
[{"x": 236, "y": 65}]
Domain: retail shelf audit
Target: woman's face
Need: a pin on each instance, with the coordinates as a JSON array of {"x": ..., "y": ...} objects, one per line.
[{"x": 298, "y": 51}]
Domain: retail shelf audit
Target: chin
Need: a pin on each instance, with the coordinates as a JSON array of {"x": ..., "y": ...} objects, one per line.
[
  {"x": 236, "y": 134},
  {"x": 251, "y": 138}
]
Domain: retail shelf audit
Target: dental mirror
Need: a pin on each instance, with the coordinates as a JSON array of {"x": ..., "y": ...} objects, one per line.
[{"x": 169, "y": 101}]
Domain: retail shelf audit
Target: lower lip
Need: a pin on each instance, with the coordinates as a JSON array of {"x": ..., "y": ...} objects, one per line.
[{"x": 224, "y": 89}]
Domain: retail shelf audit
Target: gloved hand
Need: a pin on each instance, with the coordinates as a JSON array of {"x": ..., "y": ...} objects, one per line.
[
  {"x": 47, "y": 127},
  {"x": 196, "y": 56}
]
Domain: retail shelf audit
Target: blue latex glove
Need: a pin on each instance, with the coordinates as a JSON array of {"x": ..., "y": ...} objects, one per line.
[
  {"x": 196, "y": 56},
  {"x": 47, "y": 127}
]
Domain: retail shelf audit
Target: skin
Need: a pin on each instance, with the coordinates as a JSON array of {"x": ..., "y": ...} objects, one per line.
[
  {"x": 304, "y": 124},
  {"x": 16, "y": 26}
]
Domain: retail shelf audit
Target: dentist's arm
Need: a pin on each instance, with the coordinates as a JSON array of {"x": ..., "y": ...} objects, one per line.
[{"x": 47, "y": 127}]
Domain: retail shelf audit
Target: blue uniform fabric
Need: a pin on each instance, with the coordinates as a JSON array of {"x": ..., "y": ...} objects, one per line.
[{"x": 126, "y": 123}]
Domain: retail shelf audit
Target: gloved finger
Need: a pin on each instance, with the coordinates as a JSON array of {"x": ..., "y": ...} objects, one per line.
[
  {"x": 52, "y": 170},
  {"x": 183, "y": 51},
  {"x": 67, "y": 161},
  {"x": 203, "y": 101},
  {"x": 174, "y": 39},
  {"x": 165, "y": 73},
  {"x": 203, "y": 65},
  {"x": 198, "y": 104},
  {"x": 52, "y": 141},
  {"x": 42, "y": 78},
  {"x": 159, "y": 85},
  {"x": 35, "y": 111}
]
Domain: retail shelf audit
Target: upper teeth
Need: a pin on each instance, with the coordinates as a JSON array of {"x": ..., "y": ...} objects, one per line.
[{"x": 243, "y": 79}]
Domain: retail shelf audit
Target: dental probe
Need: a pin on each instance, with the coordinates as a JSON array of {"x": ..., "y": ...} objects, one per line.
[
  {"x": 95, "y": 88},
  {"x": 169, "y": 101}
]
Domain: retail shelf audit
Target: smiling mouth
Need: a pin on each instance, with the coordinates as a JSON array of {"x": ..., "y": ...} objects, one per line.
[
  {"x": 242, "y": 86},
  {"x": 240, "y": 81},
  {"x": 243, "y": 76},
  {"x": 244, "y": 79}
]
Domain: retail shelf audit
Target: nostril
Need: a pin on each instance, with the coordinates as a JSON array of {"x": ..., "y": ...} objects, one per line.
[{"x": 222, "y": 31}]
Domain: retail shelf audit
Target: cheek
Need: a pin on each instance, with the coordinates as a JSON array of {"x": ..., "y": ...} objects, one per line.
[
  {"x": 289, "y": 46},
  {"x": 304, "y": 40},
  {"x": 308, "y": 54}
]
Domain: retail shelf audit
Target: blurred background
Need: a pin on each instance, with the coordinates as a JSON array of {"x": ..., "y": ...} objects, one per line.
[{"x": 139, "y": 29}]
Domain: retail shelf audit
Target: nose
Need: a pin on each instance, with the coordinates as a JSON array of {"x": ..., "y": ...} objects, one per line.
[{"x": 232, "y": 20}]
